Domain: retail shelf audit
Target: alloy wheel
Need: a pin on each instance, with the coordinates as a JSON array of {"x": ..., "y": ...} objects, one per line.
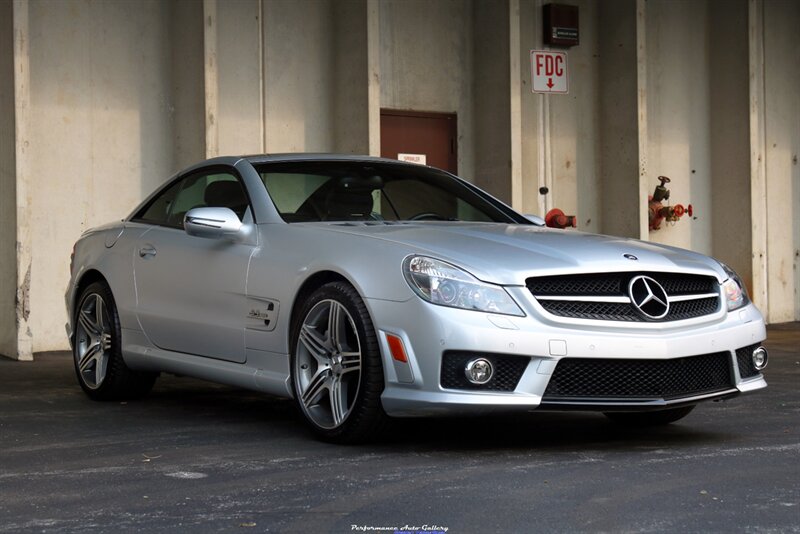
[
  {"x": 92, "y": 340},
  {"x": 328, "y": 364}
]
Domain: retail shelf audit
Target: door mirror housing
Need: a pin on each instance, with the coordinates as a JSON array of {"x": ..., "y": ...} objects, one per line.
[{"x": 213, "y": 223}]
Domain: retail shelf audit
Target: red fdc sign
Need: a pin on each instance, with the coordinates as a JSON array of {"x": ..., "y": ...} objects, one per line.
[{"x": 549, "y": 71}]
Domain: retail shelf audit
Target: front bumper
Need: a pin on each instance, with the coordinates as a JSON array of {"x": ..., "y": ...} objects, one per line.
[{"x": 427, "y": 331}]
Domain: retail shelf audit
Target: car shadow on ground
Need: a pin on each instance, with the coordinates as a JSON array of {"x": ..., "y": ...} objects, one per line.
[{"x": 539, "y": 430}]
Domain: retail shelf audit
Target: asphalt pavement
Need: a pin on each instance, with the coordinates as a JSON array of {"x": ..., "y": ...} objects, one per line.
[{"x": 198, "y": 457}]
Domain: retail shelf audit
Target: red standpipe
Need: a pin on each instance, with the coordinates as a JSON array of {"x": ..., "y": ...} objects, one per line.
[{"x": 556, "y": 218}]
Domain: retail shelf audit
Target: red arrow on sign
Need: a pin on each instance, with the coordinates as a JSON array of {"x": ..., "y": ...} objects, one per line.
[{"x": 550, "y": 83}]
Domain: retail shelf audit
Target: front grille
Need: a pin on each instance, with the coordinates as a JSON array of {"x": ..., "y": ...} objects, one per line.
[
  {"x": 507, "y": 371},
  {"x": 594, "y": 378},
  {"x": 744, "y": 358},
  {"x": 566, "y": 296}
]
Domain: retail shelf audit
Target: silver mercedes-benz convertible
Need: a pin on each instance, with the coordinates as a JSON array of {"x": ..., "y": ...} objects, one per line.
[{"x": 365, "y": 288}]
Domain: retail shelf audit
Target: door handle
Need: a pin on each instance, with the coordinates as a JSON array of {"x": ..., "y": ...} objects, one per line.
[{"x": 146, "y": 251}]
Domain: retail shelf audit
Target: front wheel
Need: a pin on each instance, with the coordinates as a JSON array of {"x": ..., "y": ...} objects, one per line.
[
  {"x": 657, "y": 418},
  {"x": 337, "y": 374},
  {"x": 97, "y": 349}
]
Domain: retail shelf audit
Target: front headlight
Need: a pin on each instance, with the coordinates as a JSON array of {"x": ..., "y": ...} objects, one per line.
[
  {"x": 441, "y": 283},
  {"x": 733, "y": 289}
]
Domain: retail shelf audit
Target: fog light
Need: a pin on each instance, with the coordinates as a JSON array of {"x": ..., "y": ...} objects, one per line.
[
  {"x": 479, "y": 371},
  {"x": 760, "y": 358}
]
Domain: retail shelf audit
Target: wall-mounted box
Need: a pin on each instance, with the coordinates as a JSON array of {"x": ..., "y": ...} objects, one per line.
[{"x": 561, "y": 25}]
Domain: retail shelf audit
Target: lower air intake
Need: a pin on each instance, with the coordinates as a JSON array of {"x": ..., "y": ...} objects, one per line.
[{"x": 590, "y": 378}]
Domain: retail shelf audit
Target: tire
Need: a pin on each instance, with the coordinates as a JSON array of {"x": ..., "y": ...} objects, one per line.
[
  {"x": 97, "y": 349},
  {"x": 656, "y": 418},
  {"x": 337, "y": 375}
]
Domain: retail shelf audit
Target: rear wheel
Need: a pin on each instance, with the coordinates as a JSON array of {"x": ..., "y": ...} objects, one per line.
[
  {"x": 97, "y": 349},
  {"x": 657, "y": 418},
  {"x": 336, "y": 367}
]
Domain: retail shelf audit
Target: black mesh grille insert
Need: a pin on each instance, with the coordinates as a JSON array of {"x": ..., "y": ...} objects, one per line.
[
  {"x": 579, "y": 285},
  {"x": 605, "y": 311},
  {"x": 590, "y": 378},
  {"x": 616, "y": 285},
  {"x": 744, "y": 358},
  {"x": 507, "y": 371}
]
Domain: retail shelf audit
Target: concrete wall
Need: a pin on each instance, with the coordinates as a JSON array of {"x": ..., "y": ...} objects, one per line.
[
  {"x": 351, "y": 73},
  {"x": 122, "y": 94},
  {"x": 491, "y": 90},
  {"x": 186, "y": 84},
  {"x": 101, "y": 120},
  {"x": 782, "y": 98},
  {"x": 729, "y": 144},
  {"x": 426, "y": 62},
  {"x": 299, "y": 76},
  {"x": 619, "y": 126},
  {"x": 8, "y": 191},
  {"x": 677, "y": 115},
  {"x": 239, "y": 70},
  {"x": 574, "y": 158}
]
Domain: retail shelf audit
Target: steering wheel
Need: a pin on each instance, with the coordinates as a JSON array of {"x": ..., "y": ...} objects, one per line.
[{"x": 427, "y": 216}]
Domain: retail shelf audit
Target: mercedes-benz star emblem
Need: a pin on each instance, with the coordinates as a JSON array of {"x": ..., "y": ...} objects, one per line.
[{"x": 648, "y": 297}]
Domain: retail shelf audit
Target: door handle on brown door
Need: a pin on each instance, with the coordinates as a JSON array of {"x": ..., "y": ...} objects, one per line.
[{"x": 147, "y": 251}]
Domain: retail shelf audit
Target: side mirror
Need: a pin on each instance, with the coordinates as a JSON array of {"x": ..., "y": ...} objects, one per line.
[
  {"x": 535, "y": 219},
  {"x": 212, "y": 222}
]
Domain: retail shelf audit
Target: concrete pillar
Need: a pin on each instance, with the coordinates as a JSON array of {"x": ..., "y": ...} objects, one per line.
[
  {"x": 239, "y": 69},
  {"x": 781, "y": 112},
  {"x": 8, "y": 191},
  {"x": 515, "y": 104},
  {"x": 299, "y": 50},
  {"x": 356, "y": 76},
  {"x": 210, "y": 22},
  {"x": 620, "y": 120},
  {"x": 187, "y": 93},
  {"x": 729, "y": 143},
  {"x": 491, "y": 90},
  {"x": 16, "y": 238},
  {"x": 374, "y": 76}
]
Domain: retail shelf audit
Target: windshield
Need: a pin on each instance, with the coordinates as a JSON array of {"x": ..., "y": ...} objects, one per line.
[{"x": 371, "y": 191}]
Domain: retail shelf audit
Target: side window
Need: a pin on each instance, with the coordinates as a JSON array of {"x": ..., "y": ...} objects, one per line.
[
  {"x": 157, "y": 212},
  {"x": 221, "y": 190}
]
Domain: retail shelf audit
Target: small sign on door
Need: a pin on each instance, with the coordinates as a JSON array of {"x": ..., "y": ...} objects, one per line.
[
  {"x": 549, "y": 71},
  {"x": 413, "y": 158}
]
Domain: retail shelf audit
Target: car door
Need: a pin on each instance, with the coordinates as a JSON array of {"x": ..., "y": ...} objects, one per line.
[{"x": 191, "y": 290}]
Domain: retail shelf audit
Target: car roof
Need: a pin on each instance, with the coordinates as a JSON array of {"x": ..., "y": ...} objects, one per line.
[{"x": 320, "y": 156}]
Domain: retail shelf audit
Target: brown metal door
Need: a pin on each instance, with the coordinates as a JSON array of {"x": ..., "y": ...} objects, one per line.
[{"x": 432, "y": 135}]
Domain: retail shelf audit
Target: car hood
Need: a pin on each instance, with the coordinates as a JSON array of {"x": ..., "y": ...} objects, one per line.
[{"x": 509, "y": 253}]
